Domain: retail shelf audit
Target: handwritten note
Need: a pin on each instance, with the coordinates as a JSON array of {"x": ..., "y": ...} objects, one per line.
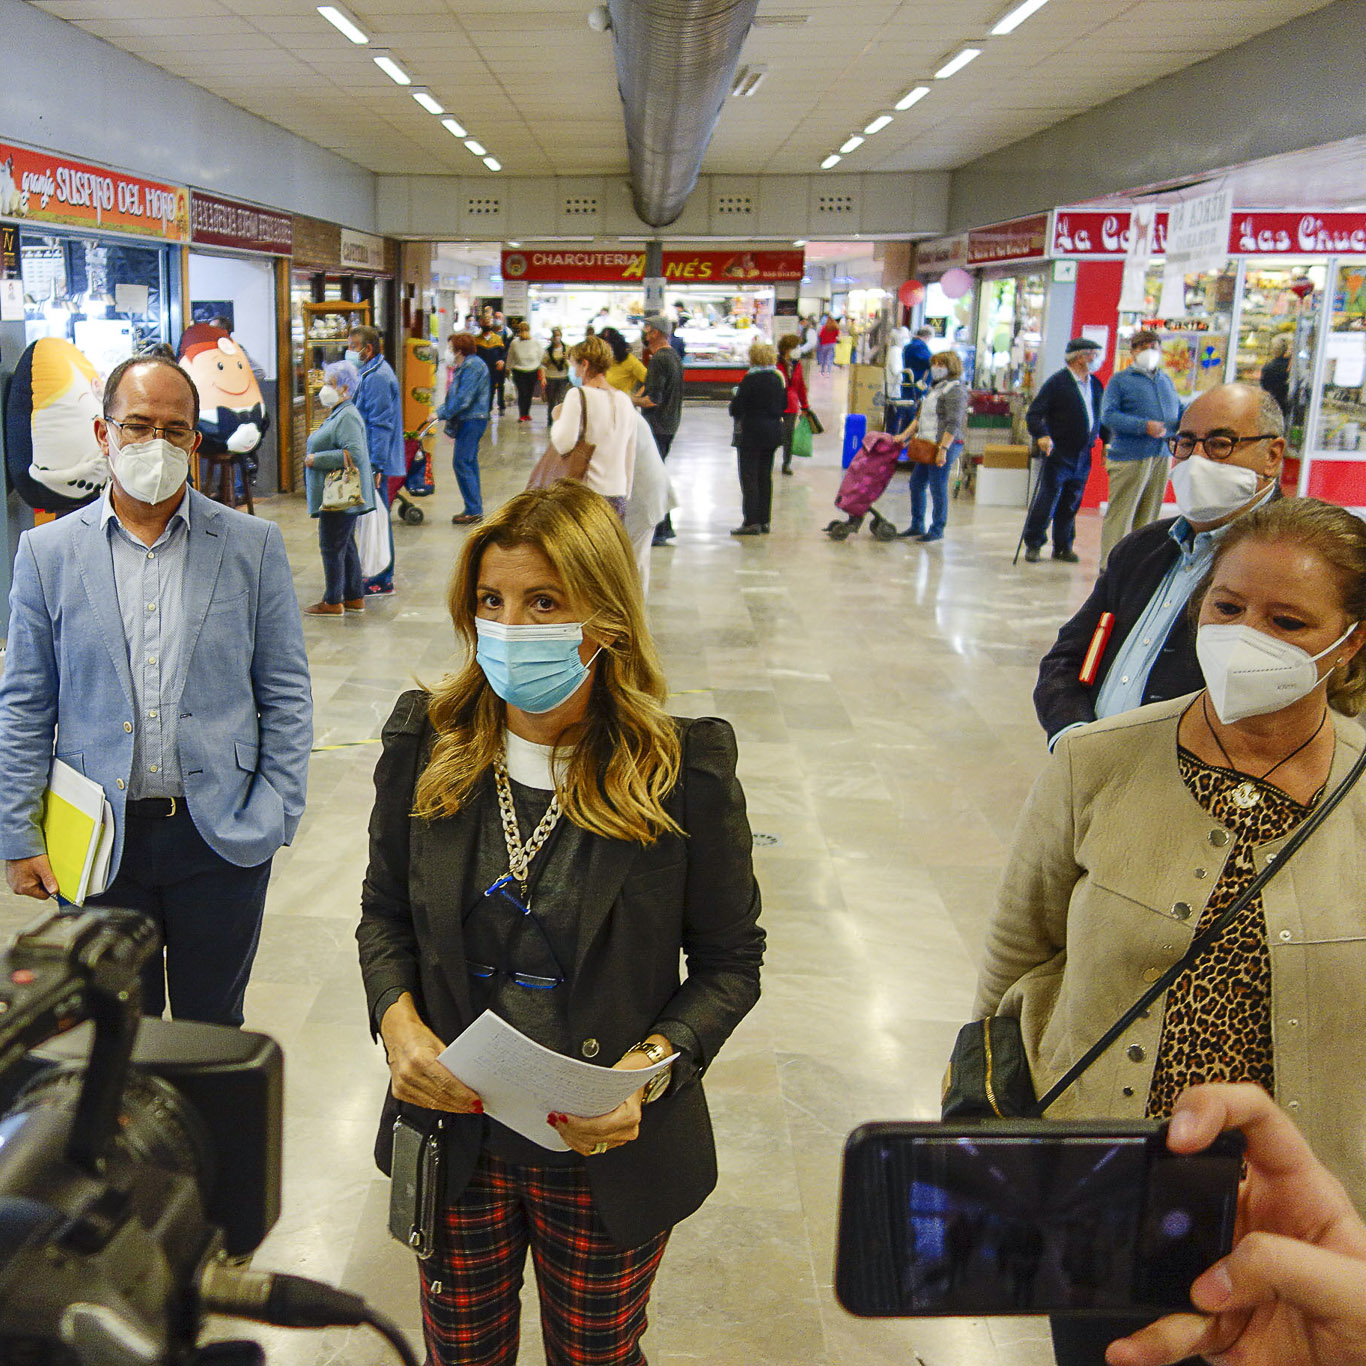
[{"x": 520, "y": 1081}]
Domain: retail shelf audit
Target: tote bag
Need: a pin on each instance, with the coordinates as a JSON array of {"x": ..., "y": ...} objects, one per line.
[
  {"x": 341, "y": 488},
  {"x": 372, "y": 540},
  {"x": 573, "y": 464}
]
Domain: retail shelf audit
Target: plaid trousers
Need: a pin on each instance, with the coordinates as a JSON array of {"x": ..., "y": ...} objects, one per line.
[{"x": 593, "y": 1292}]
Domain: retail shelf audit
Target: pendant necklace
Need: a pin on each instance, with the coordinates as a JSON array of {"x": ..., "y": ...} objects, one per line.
[{"x": 1245, "y": 796}]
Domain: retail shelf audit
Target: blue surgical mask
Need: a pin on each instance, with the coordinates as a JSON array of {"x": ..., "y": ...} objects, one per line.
[
  {"x": 353, "y": 357},
  {"x": 532, "y": 668},
  {"x": 575, "y": 378}
]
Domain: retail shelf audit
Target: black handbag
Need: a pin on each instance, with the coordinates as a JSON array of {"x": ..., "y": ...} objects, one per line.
[{"x": 988, "y": 1074}]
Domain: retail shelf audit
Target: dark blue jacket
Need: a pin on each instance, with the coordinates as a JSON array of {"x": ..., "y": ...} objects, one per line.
[
  {"x": 467, "y": 395},
  {"x": 1058, "y": 411},
  {"x": 377, "y": 400},
  {"x": 915, "y": 367}
]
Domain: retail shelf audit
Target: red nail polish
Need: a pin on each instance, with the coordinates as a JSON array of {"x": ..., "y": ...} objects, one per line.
[
  {"x": 550, "y": 1119},
  {"x": 478, "y": 1107}
]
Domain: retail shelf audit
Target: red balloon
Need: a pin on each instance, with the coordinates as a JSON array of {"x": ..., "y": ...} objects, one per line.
[{"x": 911, "y": 293}]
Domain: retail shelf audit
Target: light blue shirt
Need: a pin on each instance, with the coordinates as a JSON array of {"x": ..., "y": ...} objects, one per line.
[
  {"x": 1084, "y": 385},
  {"x": 150, "y": 582}
]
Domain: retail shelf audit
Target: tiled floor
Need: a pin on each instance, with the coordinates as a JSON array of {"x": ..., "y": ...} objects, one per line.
[{"x": 881, "y": 697}]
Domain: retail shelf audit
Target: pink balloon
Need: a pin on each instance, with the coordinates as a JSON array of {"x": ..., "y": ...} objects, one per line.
[{"x": 955, "y": 283}]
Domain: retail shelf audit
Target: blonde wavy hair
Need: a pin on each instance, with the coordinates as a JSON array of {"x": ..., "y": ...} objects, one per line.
[
  {"x": 624, "y": 758},
  {"x": 595, "y": 354}
]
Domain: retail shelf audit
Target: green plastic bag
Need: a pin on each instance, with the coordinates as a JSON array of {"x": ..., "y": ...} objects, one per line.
[{"x": 801, "y": 438}]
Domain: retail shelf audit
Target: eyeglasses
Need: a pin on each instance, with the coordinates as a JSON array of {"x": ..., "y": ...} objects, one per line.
[
  {"x": 523, "y": 979},
  {"x": 178, "y": 434},
  {"x": 1216, "y": 447}
]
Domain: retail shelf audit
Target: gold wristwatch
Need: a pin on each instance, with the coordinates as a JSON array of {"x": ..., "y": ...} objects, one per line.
[{"x": 657, "y": 1085}]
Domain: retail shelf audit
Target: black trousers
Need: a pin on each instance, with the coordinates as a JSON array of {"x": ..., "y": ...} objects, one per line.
[
  {"x": 208, "y": 912},
  {"x": 664, "y": 444},
  {"x": 342, "y": 581},
  {"x": 756, "y": 483},
  {"x": 789, "y": 428},
  {"x": 1062, "y": 482},
  {"x": 525, "y": 383},
  {"x": 554, "y": 396}
]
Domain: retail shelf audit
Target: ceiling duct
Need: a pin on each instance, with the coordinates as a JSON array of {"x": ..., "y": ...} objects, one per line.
[{"x": 676, "y": 62}]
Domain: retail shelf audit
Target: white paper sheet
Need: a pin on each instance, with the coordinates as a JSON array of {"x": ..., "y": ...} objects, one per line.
[{"x": 520, "y": 1082}]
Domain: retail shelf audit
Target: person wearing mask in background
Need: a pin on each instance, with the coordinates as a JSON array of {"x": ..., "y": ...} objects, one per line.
[
  {"x": 1146, "y": 827},
  {"x": 377, "y": 400},
  {"x": 942, "y": 417},
  {"x": 493, "y": 352},
  {"x": 606, "y": 418},
  {"x": 1141, "y": 410},
  {"x": 196, "y": 718},
  {"x": 1275, "y": 377},
  {"x": 465, "y": 411},
  {"x": 661, "y": 402},
  {"x": 554, "y": 372},
  {"x": 508, "y": 337},
  {"x": 1064, "y": 419},
  {"x": 892, "y": 370},
  {"x": 757, "y": 408},
  {"x": 790, "y": 367},
  {"x": 1228, "y": 461},
  {"x": 340, "y": 439},
  {"x": 524, "y": 360},
  {"x": 626, "y": 372},
  {"x": 809, "y": 339},
  {"x": 915, "y": 364},
  {"x": 826, "y": 340}
]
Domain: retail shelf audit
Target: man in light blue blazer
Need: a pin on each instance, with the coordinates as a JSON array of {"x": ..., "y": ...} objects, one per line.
[{"x": 156, "y": 646}]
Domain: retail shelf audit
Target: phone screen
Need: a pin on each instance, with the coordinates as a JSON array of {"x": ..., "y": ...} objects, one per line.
[{"x": 988, "y": 1223}]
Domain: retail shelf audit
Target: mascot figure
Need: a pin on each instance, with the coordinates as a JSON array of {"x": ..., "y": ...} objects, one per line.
[
  {"x": 232, "y": 414},
  {"x": 53, "y": 460}
]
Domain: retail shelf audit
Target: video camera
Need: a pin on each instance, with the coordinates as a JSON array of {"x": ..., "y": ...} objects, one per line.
[{"x": 138, "y": 1159}]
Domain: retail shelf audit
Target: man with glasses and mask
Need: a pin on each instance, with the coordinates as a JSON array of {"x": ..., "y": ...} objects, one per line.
[
  {"x": 155, "y": 636},
  {"x": 1131, "y": 643},
  {"x": 1141, "y": 410}
]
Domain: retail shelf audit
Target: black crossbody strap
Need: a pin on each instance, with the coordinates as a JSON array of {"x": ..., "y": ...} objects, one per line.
[{"x": 1207, "y": 937}]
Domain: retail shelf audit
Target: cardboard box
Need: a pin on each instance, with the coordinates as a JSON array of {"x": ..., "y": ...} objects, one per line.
[
  {"x": 1005, "y": 457},
  {"x": 865, "y": 393}
]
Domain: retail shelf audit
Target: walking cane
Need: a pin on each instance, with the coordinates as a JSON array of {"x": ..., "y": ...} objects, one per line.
[{"x": 1029, "y": 504}]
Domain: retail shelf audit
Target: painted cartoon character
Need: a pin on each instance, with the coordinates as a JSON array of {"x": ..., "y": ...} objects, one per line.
[
  {"x": 52, "y": 457},
  {"x": 232, "y": 414},
  {"x": 13, "y": 200}
]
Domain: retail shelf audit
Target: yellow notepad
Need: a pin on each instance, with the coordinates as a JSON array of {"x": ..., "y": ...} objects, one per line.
[{"x": 77, "y": 826}]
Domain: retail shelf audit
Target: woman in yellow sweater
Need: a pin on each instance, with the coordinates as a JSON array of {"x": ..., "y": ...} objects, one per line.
[{"x": 626, "y": 373}]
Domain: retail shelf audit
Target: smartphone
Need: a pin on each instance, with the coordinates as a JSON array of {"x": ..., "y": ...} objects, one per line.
[{"x": 1029, "y": 1217}]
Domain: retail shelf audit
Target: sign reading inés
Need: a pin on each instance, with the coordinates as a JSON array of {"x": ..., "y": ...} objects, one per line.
[
  {"x": 680, "y": 267},
  {"x": 219, "y": 222},
  {"x": 41, "y": 188}
]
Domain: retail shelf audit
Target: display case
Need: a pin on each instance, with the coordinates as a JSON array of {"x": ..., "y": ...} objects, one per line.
[
  {"x": 1010, "y": 328},
  {"x": 321, "y": 331},
  {"x": 1342, "y": 412},
  {"x": 1194, "y": 343}
]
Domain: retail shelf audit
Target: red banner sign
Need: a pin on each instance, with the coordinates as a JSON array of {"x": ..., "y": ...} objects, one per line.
[
  {"x": 1085, "y": 232},
  {"x": 38, "y": 187},
  {"x": 565, "y": 265},
  {"x": 216, "y": 222},
  {"x": 1022, "y": 239},
  {"x": 1302, "y": 233}
]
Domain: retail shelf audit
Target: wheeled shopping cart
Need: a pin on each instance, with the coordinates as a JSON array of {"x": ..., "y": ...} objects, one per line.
[{"x": 864, "y": 482}]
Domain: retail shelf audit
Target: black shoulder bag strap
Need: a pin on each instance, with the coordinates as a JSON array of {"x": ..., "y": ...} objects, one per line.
[{"x": 1202, "y": 941}]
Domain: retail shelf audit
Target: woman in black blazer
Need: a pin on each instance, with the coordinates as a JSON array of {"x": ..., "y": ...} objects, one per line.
[
  {"x": 557, "y": 710},
  {"x": 758, "y": 407}
]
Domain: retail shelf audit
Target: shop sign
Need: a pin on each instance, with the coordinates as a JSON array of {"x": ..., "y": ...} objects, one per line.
[
  {"x": 1176, "y": 324},
  {"x": 939, "y": 254},
  {"x": 361, "y": 251},
  {"x": 38, "y": 187},
  {"x": 219, "y": 222},
  {"x": 680, "y": 267},
  {"x": 1023, "y": 239},
  {"x": 1297, "y": 234},
  {"x": 9, "y": 251},
  {"x": 1086, "y": 232}
]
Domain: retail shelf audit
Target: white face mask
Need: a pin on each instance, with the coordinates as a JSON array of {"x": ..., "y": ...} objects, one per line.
[
  {"x": 1095, "y": 360},
  {"x": 1148, "y": 360},
  {"x": 328, "y": 396},
  {"x": 1207, "y": 490},
  {"x": 1249, "y": 673},
  {"x": 151, "y": 471},
  {"x": 938, "y": 374}
]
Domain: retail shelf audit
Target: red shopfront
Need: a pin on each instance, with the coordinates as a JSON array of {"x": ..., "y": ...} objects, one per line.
[
  {"x": 719, "y": 301},
  {"x": 1297, "y": 275}
]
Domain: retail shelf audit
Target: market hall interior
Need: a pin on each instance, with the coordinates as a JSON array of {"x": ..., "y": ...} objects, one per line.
[{"x": 880, "y": 692}]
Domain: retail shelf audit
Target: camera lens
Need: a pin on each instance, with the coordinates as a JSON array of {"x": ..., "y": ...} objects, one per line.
[{"x": 1176, "y": 1223}]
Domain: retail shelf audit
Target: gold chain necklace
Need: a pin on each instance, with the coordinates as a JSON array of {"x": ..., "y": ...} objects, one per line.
[{"x": 519, "y": 854}]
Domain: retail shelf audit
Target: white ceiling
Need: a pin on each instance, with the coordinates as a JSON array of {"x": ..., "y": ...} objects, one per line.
[{"x": 537, "y": 87}]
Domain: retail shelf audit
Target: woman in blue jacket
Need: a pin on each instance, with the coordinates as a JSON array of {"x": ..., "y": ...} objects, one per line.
[
  {"x": 465, "y": 411},
  {"x": 342, "y": 435}
]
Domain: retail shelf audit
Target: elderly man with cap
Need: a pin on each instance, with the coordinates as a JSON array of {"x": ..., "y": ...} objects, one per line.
[
  {"x": 661, "y": 398},
  {"x": 1064, "y": 420},
  {"x": 1141, "y": 410}
]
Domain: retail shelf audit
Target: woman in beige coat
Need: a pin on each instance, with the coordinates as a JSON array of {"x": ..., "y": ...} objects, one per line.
[{"x": 1144, "y": 827}]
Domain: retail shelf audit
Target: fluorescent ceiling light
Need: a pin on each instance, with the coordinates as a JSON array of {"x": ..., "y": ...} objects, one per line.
[
  {"x": 831, "y": 160},
  {"x": 752, "y": 84},
  {"x": 853, "y": 143},
  {"x": 426, "y": 100},
  {"x": 800, "y": 242},
  {"x": 878, "y": 124},
  {"x": 956, "y": 64},
  {"x": 452, "y": 127},
  {"x": 343, "y": 23},
  {"x": 493, "y": 163},
  {"x": 747, "y": 79},
  {"x": 1017, "y": 16},
  {"x": 392, "y": 69},
  {"x": 477, "y": 148},
  {"x": 913, "y": 97},
  {"x": 514, "y": 244}
]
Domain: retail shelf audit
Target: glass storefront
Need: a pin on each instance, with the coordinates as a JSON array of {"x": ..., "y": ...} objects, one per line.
[
  {"x": 1010, "y": 328},
  {"x": 1342, "y": 414},
  {"x": 1195, "y": 343}
]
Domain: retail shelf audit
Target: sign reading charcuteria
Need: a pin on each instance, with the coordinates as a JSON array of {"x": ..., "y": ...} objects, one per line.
[{"x": 567, "y": 266}]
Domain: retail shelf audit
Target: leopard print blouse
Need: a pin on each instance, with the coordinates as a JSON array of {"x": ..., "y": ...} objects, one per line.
[{"x": 1217, "y": 1023}]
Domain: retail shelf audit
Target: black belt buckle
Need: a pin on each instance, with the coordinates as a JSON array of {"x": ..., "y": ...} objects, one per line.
[{"x": 152, "y": 808}]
